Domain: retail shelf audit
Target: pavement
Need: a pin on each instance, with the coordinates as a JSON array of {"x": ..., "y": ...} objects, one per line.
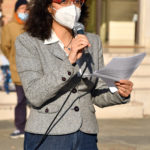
[
  {"x": 115, "y": 134},
  {"x": 124, "y": 134}
]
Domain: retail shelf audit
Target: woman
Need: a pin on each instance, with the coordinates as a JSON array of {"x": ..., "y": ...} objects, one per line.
[{"x": 52, "y": 63}]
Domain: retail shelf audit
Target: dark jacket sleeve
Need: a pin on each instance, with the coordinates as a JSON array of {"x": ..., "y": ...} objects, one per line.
[{"x": 5, "y": 41}]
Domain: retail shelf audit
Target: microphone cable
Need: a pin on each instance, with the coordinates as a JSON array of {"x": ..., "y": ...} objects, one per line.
[
  {"x": 51, "y": 126},
  {"x": 78, "y": 29}
]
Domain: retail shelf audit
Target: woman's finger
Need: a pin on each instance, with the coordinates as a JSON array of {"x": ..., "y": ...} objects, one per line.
[
  {"x": 125, "y": 87},
  {"x": 123, "y": 94},
  {"x": 124, "y": 83},
  {"x": 80, "y": 38},
  {"x": 123, "y": 91},
  {"x": 78, "y": 46},
  {"x": 127, "y": 82},
  {"x": 129, "y": 87}
]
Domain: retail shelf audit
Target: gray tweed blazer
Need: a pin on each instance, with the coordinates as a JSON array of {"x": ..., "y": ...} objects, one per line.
[{"x": 48, "y": 77}]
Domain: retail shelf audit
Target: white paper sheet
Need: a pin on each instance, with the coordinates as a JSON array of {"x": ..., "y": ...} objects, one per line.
[{"x": 119, "y": 68}]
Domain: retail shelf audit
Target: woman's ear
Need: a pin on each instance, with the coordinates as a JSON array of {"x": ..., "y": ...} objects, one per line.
[{"x": 50, "y": 9}]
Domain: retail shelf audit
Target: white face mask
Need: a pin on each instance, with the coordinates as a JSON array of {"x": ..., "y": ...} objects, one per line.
[{"x": 68, "y": 16}]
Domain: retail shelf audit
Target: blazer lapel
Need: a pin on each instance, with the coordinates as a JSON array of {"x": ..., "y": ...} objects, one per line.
[
  {"x": 86, "y": 58},
  {"x": 57, "y": 51}
]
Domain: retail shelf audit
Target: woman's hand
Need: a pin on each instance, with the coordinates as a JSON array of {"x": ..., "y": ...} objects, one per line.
[
  {"x": 124, "y": 87},
  {"x": 77, "y": 47}
]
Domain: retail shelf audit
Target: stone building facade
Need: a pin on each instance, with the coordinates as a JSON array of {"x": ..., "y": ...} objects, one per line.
[
  {"x": 109, "y": 15},
  {"x": 125, "y": 19}
]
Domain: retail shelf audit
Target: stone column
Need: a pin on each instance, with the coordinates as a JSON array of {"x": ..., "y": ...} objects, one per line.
[
  {"x": 98, "y": 15},
  {"x": 144, "y": 23}
]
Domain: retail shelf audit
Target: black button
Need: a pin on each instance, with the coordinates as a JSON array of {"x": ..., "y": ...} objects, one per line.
[
  {"x": 74, "y": 90},
  {"x": 76, "y": 108},
  {"x": 46, "y": 110},
  {"x": 69, "y": 73},
  {"x": 63, "y": 79}
]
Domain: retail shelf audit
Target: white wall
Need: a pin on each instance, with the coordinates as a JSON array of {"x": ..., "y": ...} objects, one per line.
[{"x": 144, "y": 31}]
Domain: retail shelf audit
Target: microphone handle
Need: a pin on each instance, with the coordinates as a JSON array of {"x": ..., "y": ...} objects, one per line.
[{"x": 80, "y": 31}]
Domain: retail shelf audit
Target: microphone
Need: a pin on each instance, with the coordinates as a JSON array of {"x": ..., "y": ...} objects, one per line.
[{"x": 78, "y": 28}]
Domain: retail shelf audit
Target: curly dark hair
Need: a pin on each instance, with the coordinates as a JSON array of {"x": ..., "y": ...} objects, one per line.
[{"x": 39, "y": 22}]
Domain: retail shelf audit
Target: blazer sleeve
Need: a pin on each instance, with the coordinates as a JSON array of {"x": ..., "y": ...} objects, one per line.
[
  {"x": 39, "y": 88},
  {"x": 5, "y": 41},
  {"x": 101, "y": 95}
]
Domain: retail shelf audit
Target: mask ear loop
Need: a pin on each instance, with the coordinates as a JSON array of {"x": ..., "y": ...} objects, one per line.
[{"x": 53, "y": 8}]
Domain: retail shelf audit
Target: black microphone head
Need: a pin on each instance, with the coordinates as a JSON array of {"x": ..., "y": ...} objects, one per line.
[{"x": 78, "y": 28}]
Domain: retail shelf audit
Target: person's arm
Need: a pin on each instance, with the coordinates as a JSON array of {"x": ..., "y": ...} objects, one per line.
[
  {"x": 101, "y": 94},
  {"x": 39, "y": 87},
  {"x": 5, "y": 41}
]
